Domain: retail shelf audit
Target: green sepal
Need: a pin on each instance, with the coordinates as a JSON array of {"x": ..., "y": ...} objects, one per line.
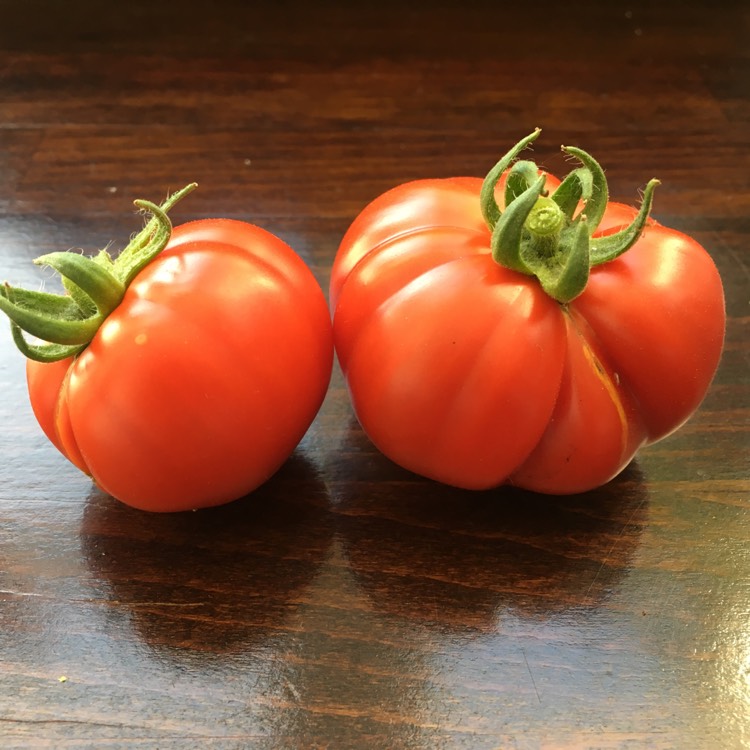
[
  {"x": 84, "y": 303},
  {"x": 565, "y": 275},
  {"x": 576, "y": 187},
  {"x": 151, "y": 240},
  {"x": 609, "y": 247},
  {"x": 596, "y": 195},
  {"x": 520, "y": 177},
  {"x": 54, "y": 305},
  {"x": 43, "y": 352},
  {"x": 50, "y": 317},
  {"x": 103, "y": 259},
  {"x": 88, "y": 276},
  {"x": 508, "y": 234},
  {"x": 487, "y": 202}
]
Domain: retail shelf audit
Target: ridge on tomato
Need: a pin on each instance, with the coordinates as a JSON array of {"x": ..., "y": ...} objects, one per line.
[
  {"x": 522, "y": 329},
  {"x": 183, "y": 373}
]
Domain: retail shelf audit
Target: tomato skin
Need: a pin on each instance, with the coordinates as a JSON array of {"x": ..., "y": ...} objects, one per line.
[
  {"x": 466, "y": 372},
  {"x": 407, "y": 208},
  {"x": 659, "y": 311},
  {"x": 203, "y": 380}
]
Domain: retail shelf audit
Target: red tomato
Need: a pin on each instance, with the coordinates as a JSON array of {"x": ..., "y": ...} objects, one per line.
[
  {"x": 469, "y": 373},
  {"x": 202, "y": 381}
]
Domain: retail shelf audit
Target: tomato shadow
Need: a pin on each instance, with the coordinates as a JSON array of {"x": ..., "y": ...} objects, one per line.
[
  {"x": 219, "y": 580},
  {"x": 460, "y": 559}
]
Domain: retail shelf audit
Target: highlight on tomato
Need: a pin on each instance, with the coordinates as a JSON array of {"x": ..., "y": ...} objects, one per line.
[
  {"x": 521, "y": 329},
  {"x": 183, "y": 373}
]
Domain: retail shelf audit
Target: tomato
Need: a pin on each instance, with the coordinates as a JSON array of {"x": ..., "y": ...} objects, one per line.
[
  {"x": 204, "y": 377},
  {"x": 491, "y": 332}
]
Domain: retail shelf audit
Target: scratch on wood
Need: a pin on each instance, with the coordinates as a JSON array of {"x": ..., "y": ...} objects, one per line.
[
  {"x": 533, "y": 681},
  {"x": 614, "y": 544}
]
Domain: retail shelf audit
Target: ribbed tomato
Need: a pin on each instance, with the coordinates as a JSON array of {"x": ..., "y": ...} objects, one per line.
[
  {"x": 492, "y": 333},
  {"x": 201, "y": 380}
]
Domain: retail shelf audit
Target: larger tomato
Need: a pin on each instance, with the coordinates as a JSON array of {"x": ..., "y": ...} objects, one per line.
[
  {"x": 491, "y": 333},
  {"x": 201, "y": 381}
]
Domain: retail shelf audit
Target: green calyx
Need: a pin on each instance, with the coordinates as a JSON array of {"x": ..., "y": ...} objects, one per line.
[
  {"x": 66, "y": 323},
  {"x": 551, "y": 237}
]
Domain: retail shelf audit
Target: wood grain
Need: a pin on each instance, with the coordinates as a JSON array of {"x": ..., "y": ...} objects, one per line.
[{"x": 348, "y": 603}]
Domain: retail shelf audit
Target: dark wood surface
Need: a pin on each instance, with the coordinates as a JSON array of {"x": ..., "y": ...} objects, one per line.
[{"x": 349, "y": 604}]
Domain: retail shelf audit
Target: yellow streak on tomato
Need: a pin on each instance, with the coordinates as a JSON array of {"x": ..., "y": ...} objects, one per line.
[{"x": 612, "y": 390}]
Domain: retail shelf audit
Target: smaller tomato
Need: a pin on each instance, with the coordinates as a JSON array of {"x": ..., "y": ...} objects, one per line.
[{"x": 184, "y": 373}]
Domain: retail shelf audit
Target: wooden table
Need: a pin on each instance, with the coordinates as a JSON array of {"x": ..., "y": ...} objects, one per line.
[{"x": 348, "y": 603}]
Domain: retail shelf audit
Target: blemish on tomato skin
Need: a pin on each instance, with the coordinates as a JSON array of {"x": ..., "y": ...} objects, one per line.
[{"x": 140, "y": 339}]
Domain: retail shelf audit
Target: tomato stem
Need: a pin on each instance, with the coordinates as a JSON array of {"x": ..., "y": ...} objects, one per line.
[
  {"x": 552, "y": 237},
  {"x": 94, "y": 287},
  {"x": 545, "y": 219}
]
